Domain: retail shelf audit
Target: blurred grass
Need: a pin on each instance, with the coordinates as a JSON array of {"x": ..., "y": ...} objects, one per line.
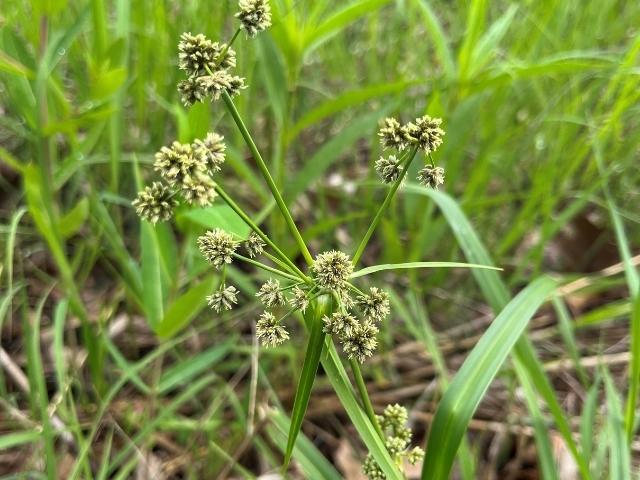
[{"x": 532, "y": 94}]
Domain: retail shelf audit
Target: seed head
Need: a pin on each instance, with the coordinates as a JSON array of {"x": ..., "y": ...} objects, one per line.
[
  {"x": 340, "y": 324},
  {"x": 211, "y": 149},
  {"x": 190, "y": 91},
  {"x": 393, "y": 135},
  {"x": 372, "y": 470},
  {"x": 426, "y": 133},
  {"x": 388, "y": 169},
  {"x": 415, "y": 455},
  {"x": 223, "y": 299},
  {"x": 270, "y": 294},
  {"x": 396, "y": 446},
  {"x": 217, "y": 246},
  {"x": 178, "y": 162},
  {"x": 155, "y": 203},
  {"x": 269, "y": 330},
  {"x": 255, "y": 16},
  {"x": 197, "y": 53},
  {"x": 199, "y": 190},
  {"x": 394, "y": 418},
  {"x": 375, "y": 305},
  {"x": 254, "y": 245},
  {"x": 346, "y": 300},
  {"x": 213, "y": 85},
  {"x": 431, "y": 177},
  {"x": 332, "y": 269},
  {"x": 362, "y": 343},
  {"x": 299, "y": 299}
]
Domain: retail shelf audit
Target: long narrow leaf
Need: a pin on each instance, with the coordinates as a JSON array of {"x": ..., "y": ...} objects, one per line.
[
  {"x": 474, "y": 377},
  {"x": 411, "y": 265},
  {"x": 497, "y": 295},
  {"x": 308, "y": 375}
]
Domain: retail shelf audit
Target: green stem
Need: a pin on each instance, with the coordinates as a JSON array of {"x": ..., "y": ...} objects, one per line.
[
  {"x": 364, "y": 397},
  {"x": 236, "y": 208},
  {"x": 265, "y": 267},
  {"x": 280, "y": 263},
  {"x": 267, "y": 176},
  {"x": 383, "y": 208},
  {"x": 226, "y": 48}
]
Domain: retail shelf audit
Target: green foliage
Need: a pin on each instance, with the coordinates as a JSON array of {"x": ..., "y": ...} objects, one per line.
[{"x": 540, "y": 102}]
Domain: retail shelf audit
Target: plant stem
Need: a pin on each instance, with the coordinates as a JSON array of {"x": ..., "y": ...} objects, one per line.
[
  {"x": 241, "y": 213},
  {"x": 265, "y": 267},
  {"x": 364, "y": 397},
  {"x": 226, "y": 48},
  {"x": 267, "y": 176},
  {"x": 383, "y": 208}
]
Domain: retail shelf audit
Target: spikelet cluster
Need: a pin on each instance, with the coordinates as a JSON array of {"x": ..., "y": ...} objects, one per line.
[
  {"x": 225, "y": 298},
  {"x": 270, "y": 331},
  {"x": 332, "y": 269},
  {"x": 186, "y": 171},
  {"x": 424, "y": 134},
  {"x": 254, "y": 16},
  {"x": 397, "y": 440},
  {"x": 155, "y": 203},
  {"x": 217, "y": 247},
  {"x": 207, "y": 65}
]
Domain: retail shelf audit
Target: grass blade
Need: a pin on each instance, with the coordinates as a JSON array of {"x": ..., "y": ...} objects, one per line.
[
  {"x": 545, "y": 450},
  {"x": 462, "y": 397},
  {"x": 619, "y": 458},
  {"x": 184, "y": 308},
  {"x": 497, "y": 295},
  {"x": 411, "y": 265},
  {"x": 308, "y": 375},
  {"x": 341, "y": 385},
  {"x": 313, "y": 463}
]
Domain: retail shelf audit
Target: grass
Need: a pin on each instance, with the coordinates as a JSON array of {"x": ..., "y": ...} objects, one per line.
[{"x": 105, "y": 315}]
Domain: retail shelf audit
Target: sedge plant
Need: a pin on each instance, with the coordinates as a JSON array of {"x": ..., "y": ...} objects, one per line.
[{"x": 323, "y": 289}]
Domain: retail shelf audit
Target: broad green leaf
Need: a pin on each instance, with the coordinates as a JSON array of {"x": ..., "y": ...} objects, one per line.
[
  {"x": 412, "y": 265},
  {"x": 313, "y": 318},
  {"x": 497, "y": 295},
  {"x": 440, "y": 42},
  {"x": 74, "y": 219},
  {"x": 151, "y": 270},
  {"x": 218, "y": 216},
  {"x": 336, "y": 22},
  {"x": 274, "y": 77},
  {"x": 476, "y": 14},
  {"x": 184, "y": 371},
  {"x": 487, "y": 45},
  {"x": 185, "y": 308},
  {"x": 472, "y": 380}
]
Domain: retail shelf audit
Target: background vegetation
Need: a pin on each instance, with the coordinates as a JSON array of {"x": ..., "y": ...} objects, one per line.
[{"x": 113, "y": 368}]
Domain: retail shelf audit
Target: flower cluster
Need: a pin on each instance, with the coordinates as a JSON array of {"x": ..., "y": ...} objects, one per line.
[
  {"x": 397, "y": 440},
  {"x": 254, "y": 15},
  {"x": 207, "y": 65},
  {"x": 332, "y": 271},
  {"x": 424, "y": 134},
  {"x": 186, "y": 170},
  {"x": 356, "y": 313}
]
